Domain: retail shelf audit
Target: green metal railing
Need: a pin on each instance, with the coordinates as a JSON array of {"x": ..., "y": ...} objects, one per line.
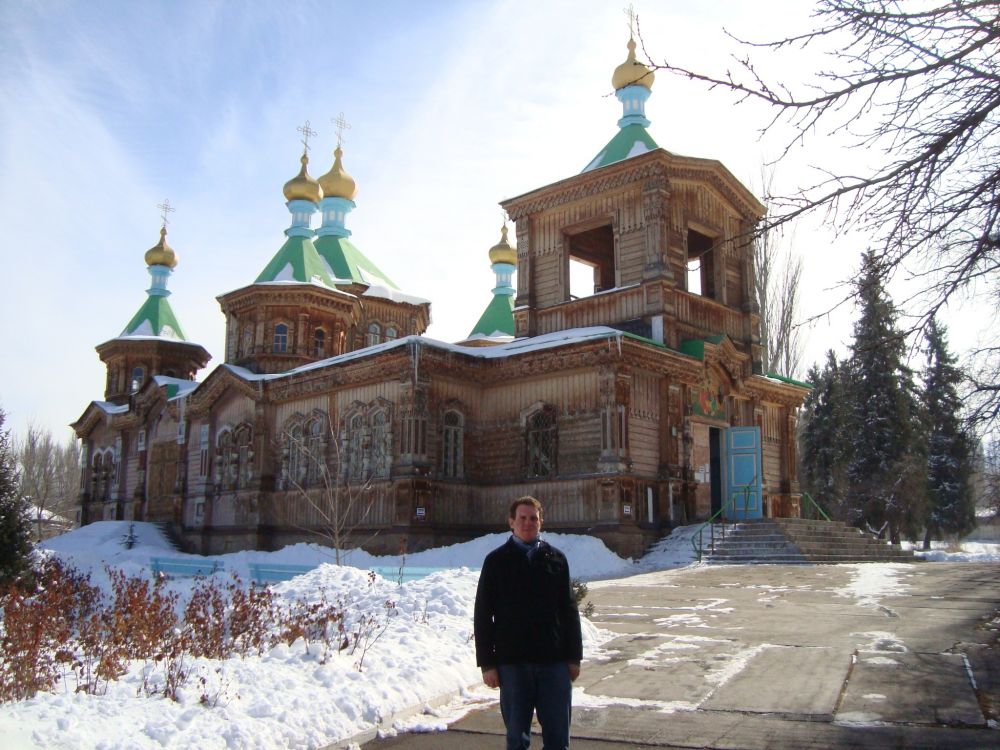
[
  {"x": 816, "y": 505},
  {"x": 696, "y": 539}
]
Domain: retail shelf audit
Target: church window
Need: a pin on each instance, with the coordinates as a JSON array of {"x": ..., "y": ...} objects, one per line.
[
  {"x": 298, "y": 460},
  {"x": 244, "y": 438},
  {"x": 541, "y": 443},
  {"x": 316, "y": 450},
  {"x": 374, "y": 334},
  {"x": 203, "y": 451},
  {"x": 280, "y": 338},
  {"x": 452, "y": 446},
  {"x": 100, "y": 475},
  {"x": 234, "y": 457},
  {"x": 319, "y": 343},
  {"x": 701, "y": 264},
  {"x": 381, "y": 445},
  {"x": 226, "y": 461},
  {"x": 354, "y": 458},
  {"x": 391, "y": 334},
  {"x": 591, "y": 261},
  {"x": 138, "y": 377},
  {"x": 247, "y": 345},
  {"x": 413, "y": 433}
]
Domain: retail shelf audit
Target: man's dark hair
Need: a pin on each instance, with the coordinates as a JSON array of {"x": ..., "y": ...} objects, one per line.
[{"x": 526, "y": 500}]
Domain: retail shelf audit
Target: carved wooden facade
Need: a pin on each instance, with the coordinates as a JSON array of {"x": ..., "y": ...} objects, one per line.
[{"x": 604, "y": 406}]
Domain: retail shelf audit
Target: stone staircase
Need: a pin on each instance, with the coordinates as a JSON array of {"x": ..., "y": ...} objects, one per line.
[
  {"x": 169, "y": 532},
  {"x": 799, "y": 541}
]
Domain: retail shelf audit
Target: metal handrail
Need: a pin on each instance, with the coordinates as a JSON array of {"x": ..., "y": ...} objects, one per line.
[
  {"x": 696, "y": 544},
  {"x": 699, "y": 547},
  {"x": 816, "y": 505}
]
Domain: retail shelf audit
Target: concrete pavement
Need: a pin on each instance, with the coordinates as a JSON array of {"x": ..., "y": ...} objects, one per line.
[{"x": 753, "y": 657}]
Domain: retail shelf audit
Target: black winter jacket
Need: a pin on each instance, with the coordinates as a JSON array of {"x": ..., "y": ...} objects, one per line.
[{"x": 525, "y": 611}]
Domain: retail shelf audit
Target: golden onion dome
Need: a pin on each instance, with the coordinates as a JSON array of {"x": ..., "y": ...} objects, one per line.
[
  {"x": 337, "y": 183},
  {"x": 302, "y": 187},
  {"x": 502, "y": 252},
  {"x": 632, "y": 72},
  {"x": 161, "y": 254}
]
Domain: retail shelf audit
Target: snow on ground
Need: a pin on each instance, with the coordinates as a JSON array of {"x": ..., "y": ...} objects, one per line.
[
  {"x": 957, "y": 552},
  {"x": 291, "y": 696},
  {"x": 294, "y": 697}
]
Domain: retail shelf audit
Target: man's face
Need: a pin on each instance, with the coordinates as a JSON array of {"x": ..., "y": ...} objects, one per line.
[{"x": 526, "y": 523}]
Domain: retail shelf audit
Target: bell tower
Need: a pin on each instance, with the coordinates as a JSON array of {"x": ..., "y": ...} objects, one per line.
[{"x": 152, "y": 342}]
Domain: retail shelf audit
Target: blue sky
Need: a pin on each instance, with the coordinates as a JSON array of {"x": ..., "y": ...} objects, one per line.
[{"x": 109, "y": 107}]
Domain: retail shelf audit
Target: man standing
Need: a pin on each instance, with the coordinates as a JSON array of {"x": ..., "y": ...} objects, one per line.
[{"x": 528, "y": 640}]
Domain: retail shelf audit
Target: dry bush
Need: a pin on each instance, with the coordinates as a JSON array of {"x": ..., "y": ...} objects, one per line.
[
  {"x": 67, "y": 625},
  {"x": 37, "y": 625},
  {"x": 252, "y": 614},
  {"x": 205, "y": 621}
]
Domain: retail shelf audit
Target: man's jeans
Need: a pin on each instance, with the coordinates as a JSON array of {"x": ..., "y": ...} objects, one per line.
[{"x": 525, "y": 688}]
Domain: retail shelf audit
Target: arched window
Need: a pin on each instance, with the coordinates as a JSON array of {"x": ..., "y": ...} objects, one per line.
[
  {"x": 297, "y": 461},
  {"x": 244, "y": 452},
  {"x": 354, "y": 458},
  {"x": 319, "y": 343},
  {"x": 138, "y": 378},
  {"x": 280, "y": 338},
  {"x": 247, "y": 345},
  {"x": 374, "y": 334},
  {"x": 315, "y": 438},
  {"x": 226, "y": 461},
  {"x": 381, "y": 445},
  {"x": 452, "y": 441},
  {"x": 100, "y": 475},
  {"x": 391, "y": 334},
  {"x": 541, "y": 443}
]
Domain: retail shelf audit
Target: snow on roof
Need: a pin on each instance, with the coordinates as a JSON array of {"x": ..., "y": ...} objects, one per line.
[
  {"x": 394, "y": 295},
  {"x": 109, "y": 408},
  {"x": 184, "y": 387},
  {"x": 512, "y": 348}
]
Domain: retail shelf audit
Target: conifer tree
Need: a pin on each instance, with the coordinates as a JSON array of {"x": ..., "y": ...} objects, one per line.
[
  {"x": 950, "y": 447},
  {"x": 824, "y": 453},
  {"x": 15, "y": 528},
  {"x": 886, "y": 488}
]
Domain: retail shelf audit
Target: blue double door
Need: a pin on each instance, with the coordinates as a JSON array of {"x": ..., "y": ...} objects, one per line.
[{"x": 735, "y": 472}]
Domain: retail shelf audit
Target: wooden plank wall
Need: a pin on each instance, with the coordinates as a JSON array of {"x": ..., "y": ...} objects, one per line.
[{"x": 644, "y": 424}]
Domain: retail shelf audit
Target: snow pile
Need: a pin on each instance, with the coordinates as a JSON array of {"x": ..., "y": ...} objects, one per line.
[{"x": 960, "y": 552}]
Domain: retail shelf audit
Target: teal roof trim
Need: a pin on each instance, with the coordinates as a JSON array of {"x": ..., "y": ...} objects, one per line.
[
  {"x": 696, "y": 347},
  {"x": 632, "y": 140},
  {"x": 498, "y": 316},
  {"x": 155, "y": 318},
  {"x": 347, "y": 262},
  {"x": 297, "y": 260},
  {"x": 790, "y": 381}
]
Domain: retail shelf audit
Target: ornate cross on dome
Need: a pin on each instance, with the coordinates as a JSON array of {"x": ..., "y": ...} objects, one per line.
[
  {"x": 165, "y": 210},
  {"x": 307, "y": 132},
  {"x": 631, "y": 15},
  {"x": 341, "y": 124}
]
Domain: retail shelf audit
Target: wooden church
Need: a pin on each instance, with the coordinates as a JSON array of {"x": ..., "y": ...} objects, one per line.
[{"x": 627, "y": 408}]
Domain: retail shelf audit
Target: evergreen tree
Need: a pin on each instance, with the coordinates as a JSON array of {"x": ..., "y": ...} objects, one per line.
[
  {"x": 15, "y": 527},
  {"x": 824, "y": 442},
  {"x": 950, "y": 447},
  {"x": 886, "y": 489}
]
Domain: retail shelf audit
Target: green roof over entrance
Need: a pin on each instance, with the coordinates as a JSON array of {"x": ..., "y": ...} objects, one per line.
[
  {"x": 155, "y": 318},
  {"x": 497, "y": 318},
  {"x": 632, "y": 140},
  {"x": 347, "y": 262},
  {"x": 297, "y": 260}
]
